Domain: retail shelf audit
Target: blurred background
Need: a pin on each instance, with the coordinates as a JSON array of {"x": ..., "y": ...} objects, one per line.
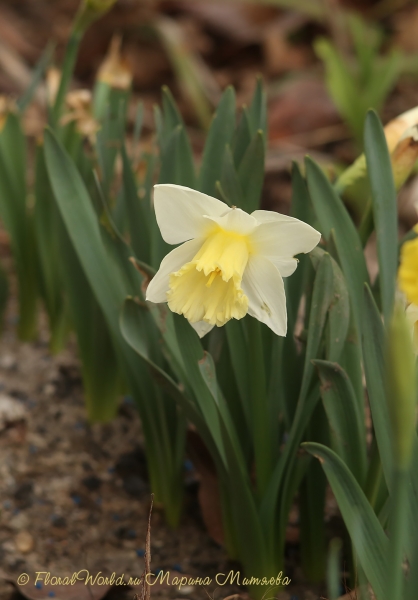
[
  {"x": 75, "y": 494},
  {"x": 324, "y": 63}
]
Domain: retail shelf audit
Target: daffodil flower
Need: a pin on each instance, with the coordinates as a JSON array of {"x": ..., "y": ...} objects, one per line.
[
  {"x": 412, "y": 317},
  {"x": 408, "y": 269},
  {"x": 230, "y": 263}
]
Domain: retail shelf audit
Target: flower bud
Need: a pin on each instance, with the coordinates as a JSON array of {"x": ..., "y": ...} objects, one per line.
[
  {"x": 402, "y": 139},
  {"x": 114, "y": 70},
  {"x": 90, "y": 11},
  {"x": 412, "y": 317},
  {"x": 6, "y": 106},
  {"x": 79, "y": 111},
  {"x": 401, "y": 386},
  {"x": 113, "y": 81},
  {"x": 404, "y": 156}
]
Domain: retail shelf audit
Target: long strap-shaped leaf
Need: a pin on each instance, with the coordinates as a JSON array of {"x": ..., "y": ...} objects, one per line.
[
  {"x": 219, "y": 136},
  {"x": 379, "y": 169},
  {"x": 332, "y": 214},
  {"x": 322, "y": 297},
  {"x": 345, "y": 419},
  {"x": 368, "y": 537}
]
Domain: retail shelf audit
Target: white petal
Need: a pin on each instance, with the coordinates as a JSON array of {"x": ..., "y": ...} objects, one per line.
[
  {"x": 266, "y": 216},
  {"x": 158, "y": 287},
  {"x": 235, "y": 220},
  {"x": 202, "y": 328},
  {"x": 284, "y": 239},
  {"x": 285, "y": 266},
  {"x": 180, "y": 212},
  {"x": 264, "y": 288}
]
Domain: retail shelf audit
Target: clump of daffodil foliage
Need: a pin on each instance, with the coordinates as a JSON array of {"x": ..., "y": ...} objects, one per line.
[{"x": 254, "y": 333}]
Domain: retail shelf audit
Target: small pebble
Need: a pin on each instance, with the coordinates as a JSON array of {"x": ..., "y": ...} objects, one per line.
[
  {"x": 11, "y": 411},
  {"x": 24, "y": 542},
  {"x": 19, "y": 522},
  {"x": 49, "y": 389},
  {"x": 8, "y": 362}
]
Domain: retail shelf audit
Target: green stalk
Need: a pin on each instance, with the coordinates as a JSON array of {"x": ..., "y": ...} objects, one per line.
[
  {"x": 67, "y": 72},
  {"x": 398, "y": 530},
  {"x": 259, "y": 407},
  {"x": 333, "y": 569}
]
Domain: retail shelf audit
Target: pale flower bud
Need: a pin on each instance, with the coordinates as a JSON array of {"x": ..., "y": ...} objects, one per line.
[
  {"x": 401, "y": 386},
  {"x": 90, "y": 11},
  {"x": 114, "y": 70},
  {"x": 7, "y": 106}
]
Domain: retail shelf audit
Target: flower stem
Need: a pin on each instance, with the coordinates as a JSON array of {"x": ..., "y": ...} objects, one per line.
[
  {"x": 67, "y": 72},
  {"x": 398, "y": 530},
  {"x": 259, "y": 407}
]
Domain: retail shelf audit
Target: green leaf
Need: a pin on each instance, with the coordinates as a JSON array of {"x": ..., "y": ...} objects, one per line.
[
  {"x": 136, "y": 212},
  {"x": 257, "y": 112},
  {"x": 163, "y": 427},
  {"x": 237, "y": 343},
  {"x": 308, "y": 397},
  {"x": 139, "y": 121},
  {"x": 339, "y": 315},
  {"x": 312, "y": 497},
  {"x": 100, "y": 366},
  {"x": 333, "y": 215},
  {"x": 83, "y": 228},
  {"x": 133, "y": 320},
  {"x": 192, "y": 354},
  {"x": 345, "y": 419},
  {"x": 341, "y": 85},
  {"x": 18, "y": 222},
  {"x": 38, "y": 73},
  {"x": 49, "y": 229},
  {"x": 251, "y": 173},
  {"x": 373, "y": 342},
  {"x": 385, "y": 214},
  {"x": 177, "y": 160},
  {"x": 230, "y": 186},
  {"x": 242, "y": 137},
  {"x": 367, "y": 535},
  {"x": 219, "y": 136},
  {"x": 171, "y": 115}
]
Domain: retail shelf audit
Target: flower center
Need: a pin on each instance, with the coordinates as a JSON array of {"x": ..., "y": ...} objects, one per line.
[{"x": 208, "y": 288}]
